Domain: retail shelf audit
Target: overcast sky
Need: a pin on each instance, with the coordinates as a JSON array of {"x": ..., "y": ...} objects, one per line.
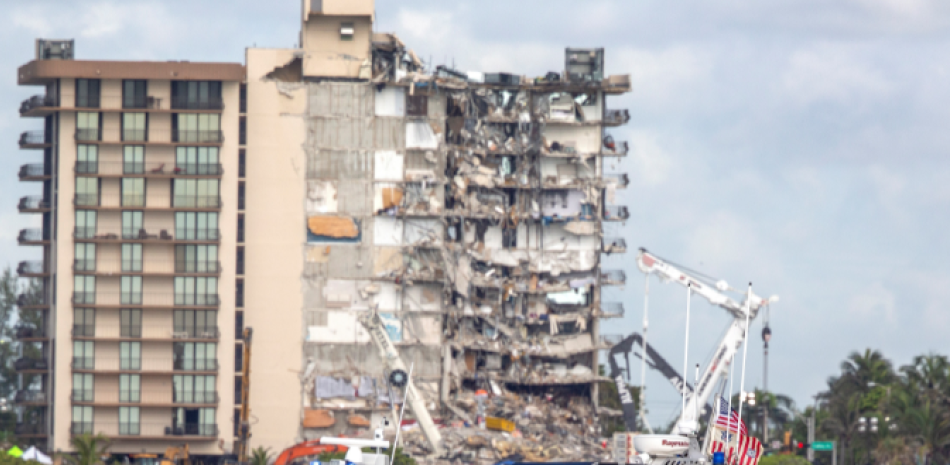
[{"x": 801, "y": 145}]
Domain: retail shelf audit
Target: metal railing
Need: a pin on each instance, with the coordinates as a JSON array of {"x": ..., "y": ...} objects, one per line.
[
  {"x": 81, "y": 297},
  {"x": 82, "y": 395},
  {"x": 86, "y": 200},
  {"x": 33, "y": 138},
  {"x": 29, "y": 429},
  {"x": 134, "y": 135},
  {"x": 611, "y": 339},
  {"x": 34, "y": 170},
  {"x": 84, "y": 232},
  {"x": 195, "y": 364},
  {"x": 616, "y": 116},
  {"x": 611, "y": 309},
  {"x": 146, "y": 298},
  {"x": 196, "y": 332},
  {"x": 142, "y": 233},
  {"x": 131, "y": 331},
  {"x": 87, "y": 134},
  {"x": 83, "y": 363},
  {"x": 31, "y": 299},
  {"x": 199, "y": 169},
  {"x": 196, "y": 397},
  {"x": 130, "y": 395},
  {"x": 31, "y": 364},
  {"x": 32, "y": 202},
  {"x": 196, "y": 201},
  {"x": 37, "y": 101},
  {"x": 132, "y": 265},
  {"x": 83, "y": 330},
  {"x": 620, "y": 149},
  {"x": 184, "y": 103},
  {"x": 614, "y": 245},
  {"x": 81, "y": 427},
  {"x": 205, "y": 136},
  {"x": 613, "y": 277},
  {"x": 616, "y": 179},
  {"x": 203, "y": 234},
  {"x": 88, "y": 264},
  {"x": 87, "y": 167},
  {"x": 29, "y": 395},
  {"x": 31, "y": 267},
  {"x": 616, "y": 212},
  {"x": 195, "y": 266},
  {"x": 133, "y": 200},
  {"x": 28, "y": 331},
  {"x": 32, "y": 235}
]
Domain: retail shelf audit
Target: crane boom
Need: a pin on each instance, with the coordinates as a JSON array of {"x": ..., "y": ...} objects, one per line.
[
  {"x": 389, "y": 354},
  {"x": 719, "y": 365}
]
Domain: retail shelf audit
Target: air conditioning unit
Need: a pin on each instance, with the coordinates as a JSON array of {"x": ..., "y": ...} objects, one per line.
[{"x": 47, "y": 49}]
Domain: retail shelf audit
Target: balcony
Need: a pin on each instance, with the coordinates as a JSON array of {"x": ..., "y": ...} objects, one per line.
[
  {"x": 613, "y": 148},
  {"x": 616, "y": 180},
  {"x": 616, "y": 213},
  {"x": 84, "y": 232},
  {"x": 32, "y": 301},
  {"x": 198, "y": 267},
  {"x": 28, "y": 364},
  {"x": 199, "y": 169},
  {"x": 36, "y": 102},
  {"x": 147, "y": 169},
  {"x": 29, "y": 396},
  {"x": 32, "y": 236},
  {"x": 146, "y": 332},
  {"x": 141, "y": 103},
  {"x": 196, "y": 332},
  {"x": 198, "y": 235},
  {"x": 30, "y": 429},
  {"x": 30, "y": 332},
  {"x": 142, "y": 234},
  {"x": 134, "y": 135},
  {"x": 83, "y": 363},
  {"x": 196, "y": 201},
  {"x": 34, "y": 140},
  {"x": 34, "y": 172},
  {"x": 613, "y": 278},
  {"x": 77, "y": 428},
  {"x": 198, "y": 137},
  {"x": 611, "y": 310},
  {"x": 184, "y": 103},
  {"x": 88, "y": 135},
  {"x": 616, "y": 117},
  {"x": 148, "y": 431},
  {"x": 144, "y": 299},
  {"x": 614, "y": 245},
  {"x": 83, "y": 331},
  {"x": 611, "y": 339},
  {"x": 196, "y": 397},
  {"x": 149, "y": 365},
  {"x": 32, "y": 269},
  {"x": 33, "y": 204},
  {"x": 86, "y": 200},
  {"x": 80, "y": 395}
]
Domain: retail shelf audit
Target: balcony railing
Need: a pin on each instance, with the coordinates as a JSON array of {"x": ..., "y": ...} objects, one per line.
[
  {"x": 32, "y": 267},
  {"x": 87, "y": 134},
  {"x": 31, "y": 299},
  {"x": 134, "y": 135},
  {"x": 616, "y": 149},
  {"x": 180, "y": 103},
  {"x": 159, "y": 299},
  {"x": 84, "y": 330},
  {"x": 613, "y": 277},
  {"x": 28, "y": 429},
  {"x": 33, "y": 138},
  {"x": 199, "y": 169},
  {"x": 204, "y": 234},
  {"x": 206, "y": 266},
  {"x": 84, "y": 232},
  {"x": 141, "y": 233},
  {"x": 32, "y": 235},
  {"x": 209, "y": 137},
  {"x": 28, "y": 331},
  {"x": 82, "y": 395},
  {"x": 83, "y": 363},
  {"x": 130, "y": 396},
  {"x": 195, "y": 364},
  {"x": 86, "y": 200},
  {"x": 32, "y": 203},
  {"x": 133, "y": 200},
  {"x": 196, "y": 332},
  {"x": 145, "y": 364},
  {"x": 88, "y": 264},
  {"x": 130, "y": 331},
  {"x": 616, "y": 117},
  {"x": 29, "y": 396},
  {"x": 196, "y": 201},
  {"x": 616, "y": 213},
  {"x": 87, "y": 167},
  {"x": 34, "y": 170},
  {"x": 81, "y": 427},
  {"x": 614, "y": 245},
  {"x": 31, "y": 364},
  {"x": 81, "y": 297},
  {"x": 37, "y": 101},
  {"x": 611, "y": 309},
  {"x": 611, "y": 339},
  {"x": 617, "y": 180},
  {"x": 196, "y": 397}
]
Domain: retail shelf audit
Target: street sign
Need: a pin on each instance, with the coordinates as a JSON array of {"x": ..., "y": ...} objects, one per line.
[{"x": 823, "y": 445}]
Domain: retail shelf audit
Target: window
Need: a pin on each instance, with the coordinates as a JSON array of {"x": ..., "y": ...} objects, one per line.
[
  {"x": 133, "y": 192},
  {"x": 85, "y": 224},
  {"x": 132, "y": 257},
  {"x": 131, "y": 290},
  {"x": 134, "y": 94},
  {"x": 240, "y": 228},
  {"x": 132, "y": 224},
  {"x": 242, "y": 130},
  {"x": 195, "y": 95},
  {"x": 240, "y": 261},
  {"x": 197, "y": 160},
  {"x": 130, "y": 355},
  {"x": 85, "y": 257},
  {"x": 130, "y": 388},
  {"x": 196, "y": 291},
  {"x": 196, "y": 323},
  {"x": 83, "y": 387},
  {"x": 239, "y": 325},
  {"x": 84, "y": 355},
  {"x": 134, "y": 127},
  {"x": 238, "y": 358},
  {"x": 242, "y": 191},
  {"x": 196, "y": 193},
  {"x": 242, "y": 163},
  {"x": 194, "y": 422},
  {"x": 133, "y": 159},
  {"x": 191, "y": 127},
  {"x": 196, "y": 356},
  {"x": 242, "y": 96},
  {"x": 417, "y": 105},
  {"x": 84, "y": 322},
  {"x": 131, "y": 322},
  {"x": 87, "y": 191},
  {"x": 82, "y": 419},
  {"x": 87, "y": 126},
  {"x": 239, "y": 293},
  {"x": 194, "y": 389},
  {"x": 192, "y": 226},
  {"x": 196, "y": 259},
  {"x": 129, "y": 421},
  {"x": 87, "y": 159},
  {"x": 84, "y": 289},
  {"x": 346, "y": 31},
  {"x": 87, "y": 93}
]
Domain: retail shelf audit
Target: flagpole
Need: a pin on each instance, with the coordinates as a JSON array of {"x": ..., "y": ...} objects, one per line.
[
  {"x": 745, "y": 346},
  {"x": 732, "y": 371},
  {"x": 643, "y": 360},
  {"x": 689, "y": 292}
]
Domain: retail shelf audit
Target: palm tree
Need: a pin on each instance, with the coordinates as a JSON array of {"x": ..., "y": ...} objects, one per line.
[
  {"x": 89, "y": 449},
  {"x": 862, "y": 371},
  {"x": 845, "y": 410},
  {"x": 261, "y": 456}
]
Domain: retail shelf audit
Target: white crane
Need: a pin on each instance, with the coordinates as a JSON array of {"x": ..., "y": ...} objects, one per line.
[
  {"x": 735, "y": 335},
  {"x": 389, "y": 354}
]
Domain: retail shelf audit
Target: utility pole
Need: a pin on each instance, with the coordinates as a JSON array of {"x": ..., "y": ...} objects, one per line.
[
  {"x": 766, "y": 336},
  {"x": 810, "y": 453}
]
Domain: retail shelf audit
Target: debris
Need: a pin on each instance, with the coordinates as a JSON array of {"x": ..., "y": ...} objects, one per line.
[{"x": 333, "y": 226}]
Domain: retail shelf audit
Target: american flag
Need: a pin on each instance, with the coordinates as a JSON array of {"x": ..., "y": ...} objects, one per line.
[
  {"x": 750, "y": 450},
  {"x": 728, "y": 419}
]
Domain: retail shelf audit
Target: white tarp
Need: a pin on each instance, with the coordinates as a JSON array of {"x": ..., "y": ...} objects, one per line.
[{"x": 33, "y": 454}]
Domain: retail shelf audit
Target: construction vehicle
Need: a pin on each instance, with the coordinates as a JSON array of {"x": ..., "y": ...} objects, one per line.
[
  {"x": 306, "y": 449},
  {"x": 173, "y": 456},
  {"x": 713, "y": 291},
  {"x": 387, "y": 351},
  {"x": 244, "y": 429}
]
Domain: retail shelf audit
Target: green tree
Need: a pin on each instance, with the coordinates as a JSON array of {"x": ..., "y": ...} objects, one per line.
[
  {"x": 89, "y": 449},
  {"x": 8, "y": 318},
  {"x": 261, "y": 456},
  {"x": 783, "y": 460}
]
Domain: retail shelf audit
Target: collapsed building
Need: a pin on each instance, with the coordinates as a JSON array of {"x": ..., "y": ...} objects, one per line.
[{"x": 467, "y": 209}]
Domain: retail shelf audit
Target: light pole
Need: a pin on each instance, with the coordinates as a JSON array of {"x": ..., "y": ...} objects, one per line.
[{"x": 766, "y": 336}]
